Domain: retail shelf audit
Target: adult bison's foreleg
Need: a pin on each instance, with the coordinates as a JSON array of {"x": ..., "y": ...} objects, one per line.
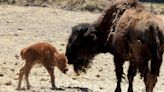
[
  {"x": 151, "y": 77},
  {"x": 119, "y": 71},
  {"x": 131, "y": 73},
  {"x": 150, "y": 81}
]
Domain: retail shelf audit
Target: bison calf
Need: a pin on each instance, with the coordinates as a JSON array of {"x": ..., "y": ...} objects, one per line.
[{"x": 45, "y": 54}]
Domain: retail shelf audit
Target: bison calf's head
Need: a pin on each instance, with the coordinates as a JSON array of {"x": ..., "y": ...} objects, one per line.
[
  {"x": 81, "y": 46},
  {"x": 61, "y": 62}
]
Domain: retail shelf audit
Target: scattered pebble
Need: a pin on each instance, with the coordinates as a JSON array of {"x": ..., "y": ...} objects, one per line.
[
  {"x": 100, "y": 88},
  {"x": 16, "y": 35},
  {"x": 16, "y": 56},
  {"x": 16, "y": 63},
  {"x": 97, "y": 75},
  {"x": 43, "y": 79},
  {"x": 8, "y": 83},
  {"x": 100, "y": 70},
  {"x": 12, "y": 70},
  {"x": 1, "y": 75},
  {"x": 74, "y": 78},
  {"x": 42, "y": 87},
  {"x": 20, "y": 29},
  {"x": 62, "y": 44}
]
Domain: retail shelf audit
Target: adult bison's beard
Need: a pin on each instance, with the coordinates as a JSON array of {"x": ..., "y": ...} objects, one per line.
[
  {"x": 82, "y": 65},
  {"x": 81, "y": 61}
]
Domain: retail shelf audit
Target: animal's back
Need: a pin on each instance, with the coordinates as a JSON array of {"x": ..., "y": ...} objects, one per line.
[
  {"x": 131, "y": 17},
  {"x": 38, "y": 51}
]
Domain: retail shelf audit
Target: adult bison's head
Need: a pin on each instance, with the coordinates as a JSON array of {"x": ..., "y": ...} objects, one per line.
[{"x": 81, "y": 46}]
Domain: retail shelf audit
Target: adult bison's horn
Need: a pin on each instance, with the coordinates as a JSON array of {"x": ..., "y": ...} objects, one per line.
[
  {"x": 89, "y": 31},
  {"x": 90, "y": 35},
  {"x": 93, "y": 36},
  {"x": 86, "y": 33}
]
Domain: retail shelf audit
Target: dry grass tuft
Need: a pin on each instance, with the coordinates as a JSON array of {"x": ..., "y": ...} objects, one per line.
[{"x": 90, "y": 5}]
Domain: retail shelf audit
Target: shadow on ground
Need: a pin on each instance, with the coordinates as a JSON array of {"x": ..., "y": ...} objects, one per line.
[{"x": 79, "y": 89}]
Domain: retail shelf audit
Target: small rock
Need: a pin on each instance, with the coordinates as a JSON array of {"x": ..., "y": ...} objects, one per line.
[
  {"x": 97, "y": 75},
  {"x": 100, "y": 88},
  {"x": 74, "y": 78},
  {"x": 16, "y": 35},
  {"x": 16, "y": 63},
  {"x": 43, "y": 79},
  {"x": 16, "y": 56},
  {"x": 20, "y": 29},
  {"x": 8, "y": 83},
  {"x": 42, "y": 87},
  {"x": 62, "y": 44},
  {"x": 1, "y": 75},
  {"x": 100, "y": 70},
  {"x": 12, "y": 70},
  {"x": 35, "y": 73}
]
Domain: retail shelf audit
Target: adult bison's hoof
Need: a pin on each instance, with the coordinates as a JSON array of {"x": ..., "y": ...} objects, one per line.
[
  {"x": 118, "y": 90},
  {"x": 130, "y": 90}
]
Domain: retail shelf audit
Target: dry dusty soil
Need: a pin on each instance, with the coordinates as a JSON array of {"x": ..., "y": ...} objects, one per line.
[{"x": 21, "y": 26}]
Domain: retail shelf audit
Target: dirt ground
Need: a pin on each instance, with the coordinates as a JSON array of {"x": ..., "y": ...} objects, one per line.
[{"x": 21, "y": 26}]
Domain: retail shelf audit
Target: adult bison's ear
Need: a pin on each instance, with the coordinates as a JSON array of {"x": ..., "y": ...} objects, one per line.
[{"x": 82, "y": 28}]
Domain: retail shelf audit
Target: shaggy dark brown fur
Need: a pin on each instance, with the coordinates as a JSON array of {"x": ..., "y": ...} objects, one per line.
[
  {"x": 45, "y": 54},
  {"x": 139, "y": 38},
  {"x": 92, "y": 44},
  {"x": 88, "y": 40},
  {"x": 80, "y": 40}
]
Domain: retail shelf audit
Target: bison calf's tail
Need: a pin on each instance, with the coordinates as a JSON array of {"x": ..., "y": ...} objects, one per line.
[{"x": 22, "y": 54}]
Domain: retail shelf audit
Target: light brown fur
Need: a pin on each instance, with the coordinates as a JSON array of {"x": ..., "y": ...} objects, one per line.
[{"x": 45, "y": 54}]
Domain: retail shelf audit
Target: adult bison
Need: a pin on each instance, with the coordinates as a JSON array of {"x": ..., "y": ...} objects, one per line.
[
  {"x": 139, "y": 36},
  {"x": 115, "y": 32}
]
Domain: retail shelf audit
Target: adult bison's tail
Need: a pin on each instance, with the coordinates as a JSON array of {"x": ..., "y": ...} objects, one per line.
[{"x": 154, "y": 42}]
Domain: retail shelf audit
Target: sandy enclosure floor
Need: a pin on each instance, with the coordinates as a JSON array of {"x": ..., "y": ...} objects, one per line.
[{"x": 21, "y": 26}]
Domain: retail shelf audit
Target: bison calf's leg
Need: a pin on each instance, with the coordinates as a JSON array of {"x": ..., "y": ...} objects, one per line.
[
  {"x": 51, "y": 73},
  {"x": 27, "y": 69},
  {"x": 131, "y": 73},
  {"x": 119, "y": 72},
  {"x": 24, "y": 70},
  {"x": 21, "y": 73}
]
